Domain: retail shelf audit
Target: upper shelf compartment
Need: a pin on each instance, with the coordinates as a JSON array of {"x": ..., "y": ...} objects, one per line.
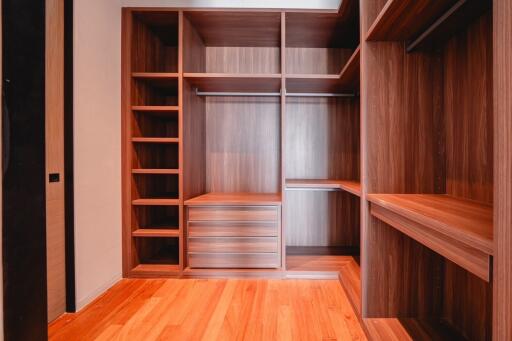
[
  {"x": 154, "y": 42},
  {"x": 321, "y": 43},
  {"x": 232, "y": 42},
  {"x": 420, "y": 21}
]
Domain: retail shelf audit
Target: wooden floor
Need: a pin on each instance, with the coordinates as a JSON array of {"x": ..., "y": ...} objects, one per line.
[{"x": 212, "y": 309}]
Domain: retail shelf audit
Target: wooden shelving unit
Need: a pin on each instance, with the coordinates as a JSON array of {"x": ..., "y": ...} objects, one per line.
[
  {"x": 458, "y": 229},
  {"x": 437, "y": 248},
  {"x": 353, "y": 187},
  {"x": 239, "y": 106},
  {"x": 152, "y": 121}
]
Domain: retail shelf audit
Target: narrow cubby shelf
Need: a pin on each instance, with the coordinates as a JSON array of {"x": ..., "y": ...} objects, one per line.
[
  {"x": 155, "y": 202},
  {"x": 150, "y": 233},
  {"x": 155, "y": 140},
  {"x": 233, "y": 82},
  {"x": 155, "y": 171},
  {"x": 458, "y": 229},
  {"x": 235, "y": 199},
  {"x": 350, "y": 186},
  {"x": 156, "y": 109},
  {"x": 156, "y": 269},
  {"x": 155, "y": 75}
]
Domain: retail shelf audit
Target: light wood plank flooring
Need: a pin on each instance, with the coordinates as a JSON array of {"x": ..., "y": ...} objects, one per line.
[{"x": 212, "y": 309}]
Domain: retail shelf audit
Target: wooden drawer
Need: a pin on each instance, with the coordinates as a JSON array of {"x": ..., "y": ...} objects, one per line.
[
  {"x": 234, "y": 213},
  {"x": 232, "y": 229},
  {"x": 233, "y": 244},
  {"x": 233, "y": 260}
]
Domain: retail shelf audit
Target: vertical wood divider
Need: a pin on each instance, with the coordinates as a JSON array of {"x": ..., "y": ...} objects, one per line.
[
  {"x": 283, "y": 140},
  {"x": 126, "y": 155},
  {"x": 180, "y": 136},
  {"x": 502, "y": 45}
]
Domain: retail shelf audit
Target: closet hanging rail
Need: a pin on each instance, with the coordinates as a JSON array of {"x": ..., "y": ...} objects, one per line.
[
  {"x": 227, "y": 93},
  {"x": 272, "y": 94}
]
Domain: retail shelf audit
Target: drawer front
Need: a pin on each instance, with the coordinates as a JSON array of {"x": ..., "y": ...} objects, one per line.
[
  {"x": 234, "y": 260},
  {"x": 232, "y": 229},
  {"x": 233, "y": 244},
  {"x": 233, "y": 213}
]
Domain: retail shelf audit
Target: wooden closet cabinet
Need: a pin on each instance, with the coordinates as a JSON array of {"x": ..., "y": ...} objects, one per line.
[{"x": 361, "y": 144}]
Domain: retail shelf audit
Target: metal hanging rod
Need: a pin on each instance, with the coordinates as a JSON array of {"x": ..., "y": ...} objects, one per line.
[
  {"x": 316, "y": 189},
  {"x": 226, "y": 93},
  {"x": 318, "y": 94},
  {"x": 272, "y": 94}
]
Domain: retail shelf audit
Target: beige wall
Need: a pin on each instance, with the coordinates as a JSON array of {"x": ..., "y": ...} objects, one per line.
[{"x": 97, "y": 97}]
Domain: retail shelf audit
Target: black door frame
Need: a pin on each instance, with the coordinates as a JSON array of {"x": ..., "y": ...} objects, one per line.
[{"x": 24, "y": 168}]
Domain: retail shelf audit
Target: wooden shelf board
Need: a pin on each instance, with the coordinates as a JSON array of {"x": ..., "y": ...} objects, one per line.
[
  {"x": 155, "y": 171},
  {"x": 349, "y": 75},
  {"x": 155, "y": 139},
  {"x": 458, "y": 229},
  {"x": 155, "y": 270},
  {"x": 406, "y": 20},
  {"x": 350, "y": 186},
  {"x": 156, "y": 108},
  {"x": 242, "y": 199},
  {"x": 155, "y": 75},
  {"x": 234, "y": 82},
  {"x": 170, "y": 232},
  {"x": 156, "y": 202}
]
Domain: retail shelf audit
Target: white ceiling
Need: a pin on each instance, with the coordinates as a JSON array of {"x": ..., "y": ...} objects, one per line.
[{"x": 296, "y": 4}]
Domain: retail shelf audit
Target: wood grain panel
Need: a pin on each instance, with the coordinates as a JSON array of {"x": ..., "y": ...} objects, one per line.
[
  {"x": 316, "y": 60},
  {"x": 469, "y": 113},
  {"x": 467, "y": 303},
  {"x": 340, "y": 29},
  {"x": 234, "y": 28},
  {"x": 154, "y": 42},
  {"x": 194, "y": 52},
  {"x": 502, "y": 57},
  {"x": 236, "y": 199},
  {"x": 233, "y": 244},
  {"x": 54, "y": 122},
  {"x": 243, "y": 144},
  {"x": 230, "y": 59},
  {"x": 322, "y": 219},
  {"x": 234, "y": 260},
  {"x": 464, "y": 220},
  {"x": 234, "y": 82},
  {"x": 322, "y": 138},
  {"x": 402, "y": 20},
  {"x": 194, "y": 143},
  {"x": 226, "y": 213},
  {"x": 474, "y": 261},
  {"x": 232, "y": 229}
]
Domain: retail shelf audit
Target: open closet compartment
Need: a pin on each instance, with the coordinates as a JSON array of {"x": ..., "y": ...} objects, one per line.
[
  {"x": 233, "y": 51},
  {"x": 151, "y": 143},
  {"x": 321, "y": 51},
  {"x": 321, "y": 143},
  {"x": 232, "y": 120},
  {"x": 427, "y": 113}
]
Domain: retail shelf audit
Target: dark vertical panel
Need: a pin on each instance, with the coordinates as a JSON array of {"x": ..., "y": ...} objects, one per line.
[
  {"x": 68, "y": 156},
  {"x": 24, "y": 207}
]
